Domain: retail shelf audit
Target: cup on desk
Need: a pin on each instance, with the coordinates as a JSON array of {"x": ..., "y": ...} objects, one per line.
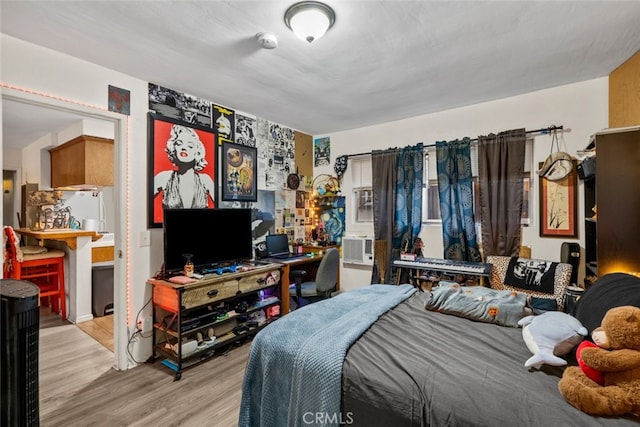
[{"x": 91, "y": 224}]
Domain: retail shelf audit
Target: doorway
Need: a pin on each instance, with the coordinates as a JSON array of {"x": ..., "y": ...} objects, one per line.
[
  {"x": 37, "y": 105},
  {"x": 8, "y": 195}
]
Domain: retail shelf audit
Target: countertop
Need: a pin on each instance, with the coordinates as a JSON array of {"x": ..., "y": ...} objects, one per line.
[
  {"x": 106, "y": 240},
  {"x": 68, "y": 236}
]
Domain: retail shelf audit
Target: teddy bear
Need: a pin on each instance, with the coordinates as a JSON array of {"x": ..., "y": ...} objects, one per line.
[{"x": 616, "y": 356}]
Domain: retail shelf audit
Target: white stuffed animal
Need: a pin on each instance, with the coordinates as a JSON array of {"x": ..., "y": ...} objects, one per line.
[{"x": 550, "y": 335}]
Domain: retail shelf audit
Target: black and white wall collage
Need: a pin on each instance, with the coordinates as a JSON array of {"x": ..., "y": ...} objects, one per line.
[{"x": 274, "y": 142}]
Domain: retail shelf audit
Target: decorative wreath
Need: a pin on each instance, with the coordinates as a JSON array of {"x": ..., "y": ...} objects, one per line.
[{"x": 326, "y": 185}]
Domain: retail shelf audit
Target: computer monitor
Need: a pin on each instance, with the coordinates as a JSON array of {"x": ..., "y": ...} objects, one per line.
[{"x": 277, "y": 245}]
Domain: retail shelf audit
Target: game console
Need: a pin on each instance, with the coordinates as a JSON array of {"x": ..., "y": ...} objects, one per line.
[
  {"x": 230, "y": 269},
  {"x": 219, "y": 270},
  {"x": 240, "y": 329}
]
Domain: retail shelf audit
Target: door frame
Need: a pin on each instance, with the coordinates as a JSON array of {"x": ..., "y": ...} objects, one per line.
[{"x": 121, "y": 227}]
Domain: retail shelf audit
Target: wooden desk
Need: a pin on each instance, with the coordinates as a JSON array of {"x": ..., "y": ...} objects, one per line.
[
  {"x": 308, "y": 249},
  {"x": 77, "y": 245},
  {"x": 291, "y": 264}
]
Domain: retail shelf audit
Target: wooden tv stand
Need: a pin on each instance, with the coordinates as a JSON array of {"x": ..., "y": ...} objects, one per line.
[{"x": 213, "y": 306}]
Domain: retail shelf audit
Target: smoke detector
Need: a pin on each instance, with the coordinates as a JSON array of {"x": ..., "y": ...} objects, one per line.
[{"x": 267, "y": 40}]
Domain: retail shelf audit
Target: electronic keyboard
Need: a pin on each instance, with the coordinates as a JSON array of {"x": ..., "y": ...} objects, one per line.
[{"x": 446, "y": 266}]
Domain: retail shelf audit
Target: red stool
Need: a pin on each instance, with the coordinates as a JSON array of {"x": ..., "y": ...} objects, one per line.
[{"x": 44, "y": 269}]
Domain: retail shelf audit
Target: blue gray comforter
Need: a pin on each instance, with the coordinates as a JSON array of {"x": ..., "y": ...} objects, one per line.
[{"x": 295, "y": 365}]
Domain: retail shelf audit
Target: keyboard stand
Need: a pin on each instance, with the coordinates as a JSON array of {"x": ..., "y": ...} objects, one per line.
[{"x": 427, "y": 272}]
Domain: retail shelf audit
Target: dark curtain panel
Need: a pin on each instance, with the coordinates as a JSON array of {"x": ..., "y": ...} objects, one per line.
[
  {"x": 397, "y": 205},
  {"x": 384, "y": 170},
  {"x": 455, "y": 188},
  {"x": 500, "y": 175}
]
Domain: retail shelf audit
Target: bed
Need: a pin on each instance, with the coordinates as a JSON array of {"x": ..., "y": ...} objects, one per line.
[{"x": 398, "y": 364}]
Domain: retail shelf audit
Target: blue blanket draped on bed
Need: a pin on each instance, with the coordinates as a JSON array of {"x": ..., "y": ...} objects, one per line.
[{"x": 295, "y": 364}]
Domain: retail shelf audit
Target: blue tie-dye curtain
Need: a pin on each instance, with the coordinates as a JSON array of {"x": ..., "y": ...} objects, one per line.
[
  {"x": 455, "y": 189},
  {"x": 408, "y": 218}
]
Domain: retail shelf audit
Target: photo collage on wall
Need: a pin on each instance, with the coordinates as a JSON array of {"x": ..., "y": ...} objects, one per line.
[
  {"x": 179, "y": 106},
  {"x": 224, "y": 123},
  {"x": 293, "y": 215},
  {"x": 247, "y": 158},
  {"x": 246, "y": 129},
  {"x": 281, "y": 156}
]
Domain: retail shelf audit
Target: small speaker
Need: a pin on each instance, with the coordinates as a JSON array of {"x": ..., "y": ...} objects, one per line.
[
  {"x": 587, "y": 168},
  {"x": 570, "y": 254}
]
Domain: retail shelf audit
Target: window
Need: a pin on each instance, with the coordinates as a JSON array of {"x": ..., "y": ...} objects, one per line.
[
  {"x": 364, "y": 204},
  {"x": 363, "y": 193},
  {"x": 362, "y": 182},
  {"x": 431, "y": 200}
]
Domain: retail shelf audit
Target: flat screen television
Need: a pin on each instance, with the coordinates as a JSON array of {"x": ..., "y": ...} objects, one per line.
[{"x": 212, "y": 236}]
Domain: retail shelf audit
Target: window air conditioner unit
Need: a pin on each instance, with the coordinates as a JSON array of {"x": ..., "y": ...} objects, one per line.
[{"x": 357, "y": 250}]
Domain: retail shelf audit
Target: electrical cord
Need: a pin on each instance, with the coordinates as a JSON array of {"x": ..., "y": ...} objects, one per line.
[
  {"x": 138, "y": 315},
  {"x": 137, "y": 332},
  {"x": 160, "y": 274}
]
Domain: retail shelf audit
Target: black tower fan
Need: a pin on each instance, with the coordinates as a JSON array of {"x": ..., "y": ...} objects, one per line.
[{"x": 20, "y": 329}]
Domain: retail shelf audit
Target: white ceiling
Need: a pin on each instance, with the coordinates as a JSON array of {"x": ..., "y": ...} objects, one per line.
[{"x": 382, "y": 61}]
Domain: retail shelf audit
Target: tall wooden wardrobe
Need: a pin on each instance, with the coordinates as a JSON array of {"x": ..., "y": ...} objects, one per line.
[{"x": 617, "y": 195}]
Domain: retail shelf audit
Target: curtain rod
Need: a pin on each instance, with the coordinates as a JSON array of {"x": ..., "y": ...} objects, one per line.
[{"x": 546, "y": 130}]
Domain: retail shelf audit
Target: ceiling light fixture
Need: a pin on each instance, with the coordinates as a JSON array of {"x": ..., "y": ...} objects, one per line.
[{"x": 309, "y": 20}]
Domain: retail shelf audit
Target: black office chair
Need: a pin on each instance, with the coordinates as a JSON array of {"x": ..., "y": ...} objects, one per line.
[{"x": 325, "y": 282}]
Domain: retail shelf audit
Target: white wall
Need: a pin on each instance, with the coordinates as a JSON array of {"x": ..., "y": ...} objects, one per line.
[
  {"x": 37, "y": 70},
  {"x": 11, "y": 159},
  {"x": 582, "y": 108}
]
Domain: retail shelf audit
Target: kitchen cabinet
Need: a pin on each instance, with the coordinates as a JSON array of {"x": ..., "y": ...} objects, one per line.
[
  {"x": 102, "y": 254},
  {"x": 83, "y": 161}
]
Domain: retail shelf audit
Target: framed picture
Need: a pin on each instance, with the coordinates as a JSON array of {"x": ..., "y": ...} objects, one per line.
[
  {"x": 239, "y": 172},
  {"x": 558, "y": 207},
  {"x": 181, "y": 168}
]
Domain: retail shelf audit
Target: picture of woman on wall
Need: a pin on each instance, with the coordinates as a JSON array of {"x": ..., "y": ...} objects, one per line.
[{"x": 183, "y": 168}]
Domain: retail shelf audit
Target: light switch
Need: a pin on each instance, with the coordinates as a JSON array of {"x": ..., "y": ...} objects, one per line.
[{"x": 145, "y": 238}]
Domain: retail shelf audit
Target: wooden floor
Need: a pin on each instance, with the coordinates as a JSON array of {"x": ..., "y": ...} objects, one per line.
[
  {"x": 100, "y": 329},
  {"x": 79, "y": 387}
]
